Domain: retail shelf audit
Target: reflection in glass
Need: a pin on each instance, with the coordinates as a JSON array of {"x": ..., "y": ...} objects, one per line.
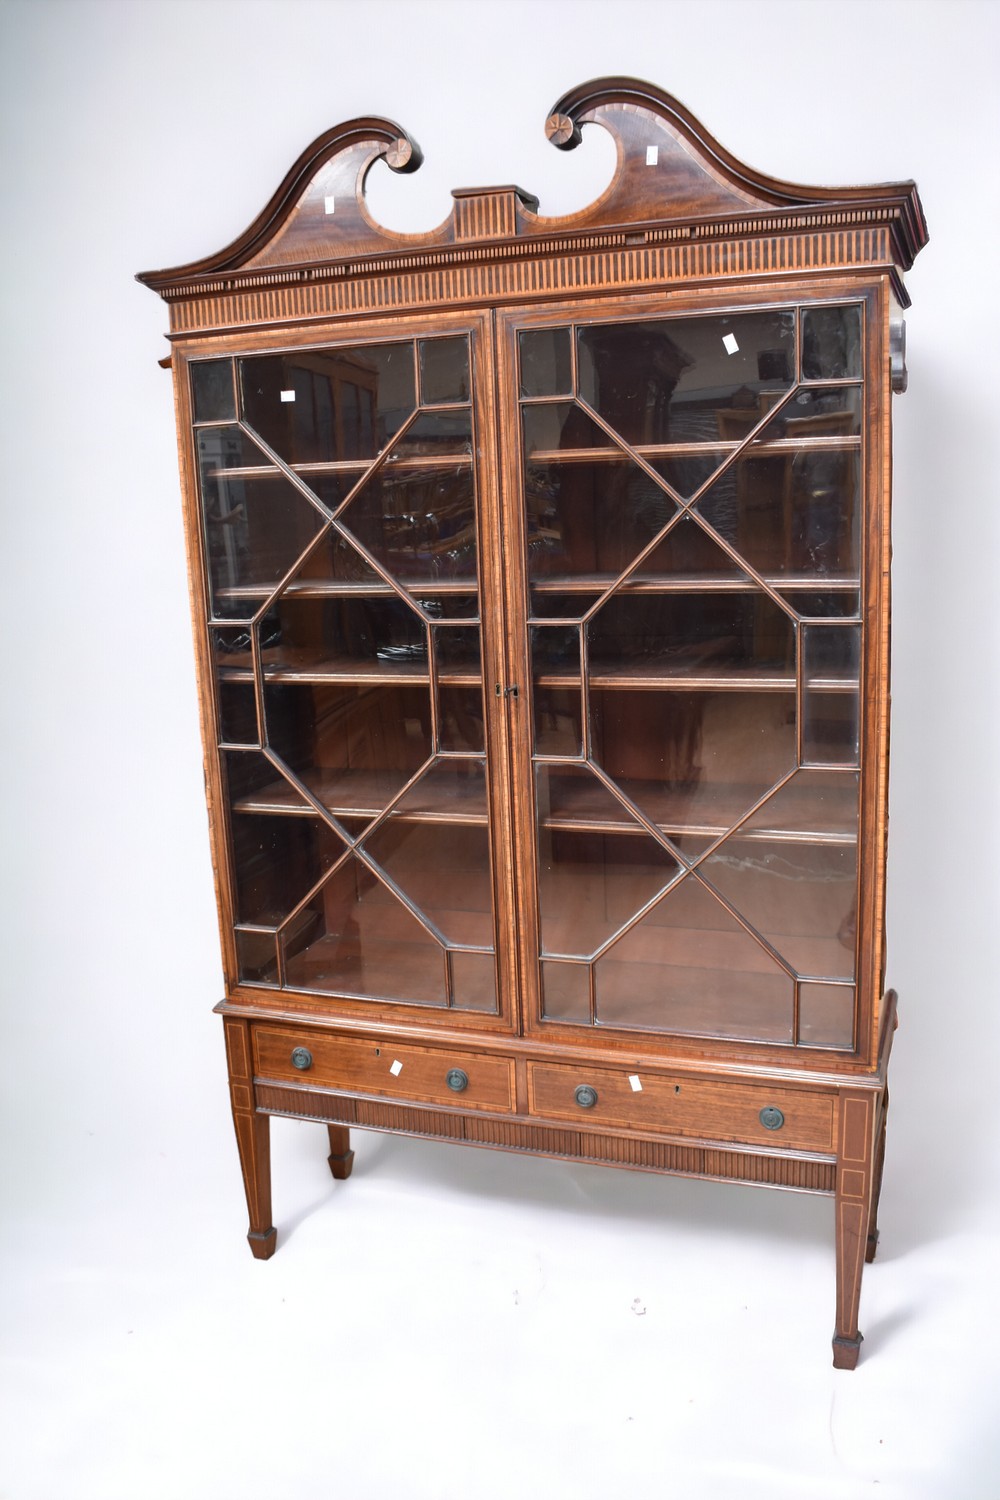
[
  {"x": 355, "y": 747},
  {"x": 368, "y": 636},
  {"x": 688, "y": 966},
  {"x": 212, "y": 384},
  {"x": 826, "y": 1015},
  {"x": 256, "y": 524},
  {"x": 257, "y": 957},
  {"x": 420, "y": 524},
  {"x": 801, "y": 897},
  {"x": 545, "y": 362},
  {"x": 831, "y": 342},
  {"x": 792, "y": 512},
  {"x": 444, "y": 370},
  {"x": 461, "y": 721},
  {"x": 356, "y": 938},
  {"x": 694, "y": 761},
  {"x": 457, "y": 651},
  {"x": 591, "y": 884},
  {"x": 277, "y": 859},
  {"x": 236, "y": 700},
  {"x": 328, "y": 405},
  {"x": 665, "y": 381},
  {"x": 719, "y": 636},
  {"x": 558, "y": 721},
  {"x": 591, "y": 517},
  {"x": 444, "y": 871},
  {"x": 830, "y": 666}
]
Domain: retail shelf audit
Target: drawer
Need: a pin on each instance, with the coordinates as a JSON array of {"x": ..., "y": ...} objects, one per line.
[
  {"x": 680, "y": 1106},
  {"x": 393, "y": 1070}
]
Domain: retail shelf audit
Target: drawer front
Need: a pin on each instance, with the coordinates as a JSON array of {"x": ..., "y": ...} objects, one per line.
[
  {"x": 680, "y": 1106},
  {"x": 356, "y": 1065}
]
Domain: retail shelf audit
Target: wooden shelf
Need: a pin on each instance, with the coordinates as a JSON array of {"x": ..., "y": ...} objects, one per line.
[
  {"x": 363, "y": 794},
  {"x": 305, "y": 665},
  {"x": 318, "y": 588},
  {"x": 807, "y": 816},
  {"x": 694, "y": 583},
  {"x": 837, "y": 443},
  {"x": 676, "y": 677}
]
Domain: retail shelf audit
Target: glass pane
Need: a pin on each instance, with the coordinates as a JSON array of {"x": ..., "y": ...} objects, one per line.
[
  {"x": 549, "y": 601},
  {"x": 812, "y": 806},
  {"x": 689, "y": 967},
  {"x": 473, "y": 981},
  {"x": 694, "y": 762},
  {"x": 790, "y": 512},
  {"x": 831, "y": 659},
  {"x": 257, "y": 957},
  {"x": 826, "y": 1015},
  {"x": 801, "y": 897},
  {"x": 591, "y": 517},
  {"x": 558, "y": 721},
  {"x": 214, "y": 394},
  {"x": 566, "y": 992},
  {"x": 356, "y": 938},
  {"x": 545, "y": 362},
  {"x": 355, "y": 747},
  {"x": 825, "y": 604},
  {"x": 817, "y": 413},
  {"x": 458, "y": 655},
  {"x": 667, "y": 381},
  {"x": 444, "y": 871},
  {"x": 831, "y": 342},
  {"x": 277, "y": 859},
  {"x": 590, "y": 883},
  {"x": 687, "y": 552},
  {"x": 419, "y": 523},
  {"x": 256, "y": 523},
  {"x": 451, "y": 791},
  {"x": 328, "y": 405},
  {"x": 461, "y": 720},
  {"x": 561, "y": 427},
  {"x": 444, "y": 370},
  {"x": 376, "y": 638},
  {"x": 435, "y": 434},
  {"x": 723, "y": 638},
  {"x": 237, "y": 703},
  {"x": 444, "y": 603}
]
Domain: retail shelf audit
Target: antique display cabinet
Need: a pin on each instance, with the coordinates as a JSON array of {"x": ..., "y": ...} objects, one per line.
[{"x": 540, "y": 576}]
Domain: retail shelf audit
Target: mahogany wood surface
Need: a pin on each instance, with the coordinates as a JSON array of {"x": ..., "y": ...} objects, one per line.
[{"x": 582, "y": 888}]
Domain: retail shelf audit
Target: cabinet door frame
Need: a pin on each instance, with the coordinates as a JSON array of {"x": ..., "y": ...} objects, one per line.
[
  {"x": 478, "y": 324},
  {"x": 874, "y": 294}
]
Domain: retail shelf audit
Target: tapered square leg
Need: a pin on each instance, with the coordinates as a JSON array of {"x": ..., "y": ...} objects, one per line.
[
  {"x": 253, "y": 1137},
  {"x": 872, "y": 1243},
  {"x": 341, "y": 1158},
  {"x": 855, "y": 1183}
]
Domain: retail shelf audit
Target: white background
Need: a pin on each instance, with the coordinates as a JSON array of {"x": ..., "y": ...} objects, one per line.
[{"x": 450, "y": 1322}]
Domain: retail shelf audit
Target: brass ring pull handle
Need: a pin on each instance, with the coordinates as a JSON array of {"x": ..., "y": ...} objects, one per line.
[
  {"x": 586, "y": 1096},
  {"x": 302, "y": 1058}
]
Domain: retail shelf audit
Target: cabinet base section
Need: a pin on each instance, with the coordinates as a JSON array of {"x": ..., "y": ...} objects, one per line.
[{"x": 797, "y": 1173}]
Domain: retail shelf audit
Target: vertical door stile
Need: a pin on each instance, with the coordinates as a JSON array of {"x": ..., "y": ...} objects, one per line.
[{"x": 494, "y": 570}]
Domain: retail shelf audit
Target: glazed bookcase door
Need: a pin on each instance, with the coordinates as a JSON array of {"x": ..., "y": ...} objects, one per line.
[
  {"x": 342, "y": 508},
  {"x": 689, "y": 499}
]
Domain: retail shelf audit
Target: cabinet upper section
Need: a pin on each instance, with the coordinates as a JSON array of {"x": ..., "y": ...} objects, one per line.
[{"x": 679, "y": 208}]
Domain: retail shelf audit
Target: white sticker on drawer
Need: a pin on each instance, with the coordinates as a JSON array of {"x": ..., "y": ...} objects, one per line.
[
  {"x": 396, "y": 1068},
  {"x": 635, "y": 1083}
]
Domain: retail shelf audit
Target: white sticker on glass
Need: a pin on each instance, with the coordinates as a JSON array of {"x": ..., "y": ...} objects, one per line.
[
  {"x": 396, "y": 1068},
  {"x": 328, "y": 203},
  {"x": 288, "y": 395},
  {"x": 652, "y": 155},
  {"x": 729, "y": 343},
  {"x": 635, "y": 1083}
]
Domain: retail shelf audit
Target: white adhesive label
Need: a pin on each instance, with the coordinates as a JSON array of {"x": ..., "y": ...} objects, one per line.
[
  {"x": 652, "y": 155},
  {"x": 329, "y": 203},
  {"x": 396, "y": 1068},
  {"x": 729, "y": 343},
  {"x": 288, "y": 395},
  {"x": 635, "y": 1083}
]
